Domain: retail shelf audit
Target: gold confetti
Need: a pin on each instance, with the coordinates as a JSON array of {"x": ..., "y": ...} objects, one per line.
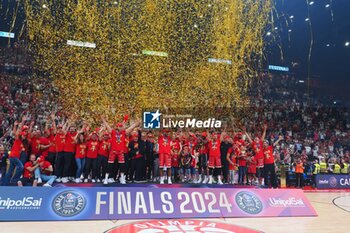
[{"x": 116, "y": 78}]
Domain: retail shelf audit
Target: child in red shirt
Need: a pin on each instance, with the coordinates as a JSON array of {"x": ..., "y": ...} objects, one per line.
[
  {"x": 232, "y": 165},
  {"x": 251, "y": 169}
]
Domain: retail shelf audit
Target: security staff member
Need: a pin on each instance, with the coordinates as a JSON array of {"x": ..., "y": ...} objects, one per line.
[
  {"x": 344, "y": 167},
  {"x": 323, "y": 166},
  {"x": 315, "y": 171}
]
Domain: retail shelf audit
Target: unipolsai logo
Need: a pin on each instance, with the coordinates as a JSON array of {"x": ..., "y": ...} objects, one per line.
[
  {"x": 151, "y": 120},
  {"x": 248, "y": 202},
  {"x": 26, "y": 203},
  {"x": 68, "y": 203}
]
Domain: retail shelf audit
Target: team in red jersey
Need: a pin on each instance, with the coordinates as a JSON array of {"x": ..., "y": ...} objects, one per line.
[
  {"x": 107, "y": 154},
  {"x": 164, "y": 147},
  {"x": 118, "y": 150}
]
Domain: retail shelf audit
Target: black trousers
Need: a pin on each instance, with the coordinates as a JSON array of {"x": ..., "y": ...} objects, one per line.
[
  {"x": 68, "y": 161},
  {"x": 102, "y": 162},
  {"x": 90, "y": 165},
  {"x": 73, "y": 166},
  {"x": 269, "y": 171},
  {"x": 149, "y": 167},
  {"x": 51, "y": 157},
  {"x": 299, "y": 180},
  {"x": 137, "y": 169},
  {"x": 60, "y": 164},
  {"x": 225, "y": 172}
]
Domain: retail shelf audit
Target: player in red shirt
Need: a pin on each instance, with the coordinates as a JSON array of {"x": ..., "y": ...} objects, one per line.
[
  {"x": 192, "y": 144},
  {"x": 80, "y": 155},
  {"x": 17, "y": 149},
  {"x": 251, "y": 169},
  {"x": 232, "y": 161},
  {"x": 185, "y": 163},
  {"x": 257, "y": 146},
  {"x": 118, "y": 150},
  {"x": 62, "y": 161},
  {"x": 45, "y": 144},
  {"x": 203, "y": 158},
  {"x": 46, "y": 170},
  {"x": 241, "y": 153},
  {"x": 35, "y": 143},
  {"x": 214, "y": 156},
  {"x": 175, "y": 157},
  {"x": 91, "y": 158},
  {"x": 28, "y": 173},
  {"x": 102, "y": 157},
  {"x": 269, "y": 163},
  {"x": 52, "y": 153},
  {"x": 69, "y": 150},
  {"x": 164, "y": 148}
]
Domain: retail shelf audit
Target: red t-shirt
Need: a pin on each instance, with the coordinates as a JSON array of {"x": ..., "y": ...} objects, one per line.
[
  {"x": 192, "y": 146},
  {"x": 175, "y": 144},
  {"x": 16, "y": 149},
  {"x": 35, "y": 145},
  {"x": 203, "y": 149},
  {"x": 242, "y": 162},
  {"x": 60, "y": 140},
  {"x": 69, "y": 145},
  {"x": 103, "y": 148},
  {"x": 80, "y": 151},
  {"x": 52, "y": 140},
  {"x": 26, "y": 172},
  {"x": 92, "y": 149},
  {"x": 175, "y": 159},
  {"x": 259, "y": 153},
  {"x": 43, "y": 166},
  {"x": 44, "y": 142},
  {"x": 118, "y": 141},
  {"x": 268, "y": 155},
  {"x": 252, "y": 165},
  {"x": 232, "y": 159},
  {"x": 214, "y": 148},
  {"x": 164, "y": 145}
]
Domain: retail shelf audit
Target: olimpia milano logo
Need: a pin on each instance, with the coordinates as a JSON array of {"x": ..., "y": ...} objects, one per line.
[
  {"x": 68, "y": 203},
  {"x": 179, "y": 226}
]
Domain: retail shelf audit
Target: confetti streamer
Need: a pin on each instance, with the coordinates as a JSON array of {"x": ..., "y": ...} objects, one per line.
[{"x": 116, "y": 78}]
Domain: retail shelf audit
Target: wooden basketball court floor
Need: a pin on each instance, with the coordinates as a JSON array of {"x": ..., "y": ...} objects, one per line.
[{"x": 333, "y": 210}]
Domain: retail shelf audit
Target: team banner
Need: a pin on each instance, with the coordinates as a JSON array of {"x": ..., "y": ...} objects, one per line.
[
  {"x": 332, "y": 181},
  {"x": 60, "y": 204}
]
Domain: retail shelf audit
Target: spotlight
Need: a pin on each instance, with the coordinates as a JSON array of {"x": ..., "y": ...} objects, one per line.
[
  {"x": 311, "y": 3},
  {"x": 327, "y": 5},
  {"x": 195, "y": 25},
  {"x": 291, "y": 17},
  {"x": 347, "y": 43},
  {"x": 307, "y": 19},
  {"x": 44, "y": 6},
  {"x": 268, "y": 33},
  {"x": 276, "y": 28},
  {"x": 290, "y": 30},
  {"x": 328, "y": 45}
]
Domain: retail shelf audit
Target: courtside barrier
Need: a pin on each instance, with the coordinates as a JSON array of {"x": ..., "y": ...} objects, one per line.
[
  {"x": 71, "y": 203},
  {"x": 332, "y": 181}
]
